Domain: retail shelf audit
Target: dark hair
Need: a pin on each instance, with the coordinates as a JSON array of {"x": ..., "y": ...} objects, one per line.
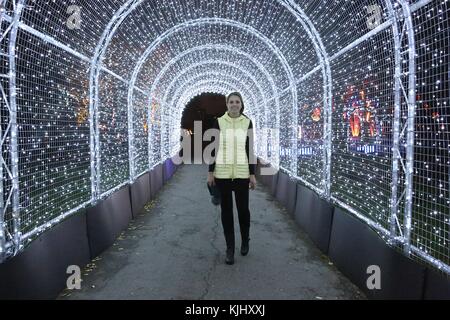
[{"x": 237, "y": 94}]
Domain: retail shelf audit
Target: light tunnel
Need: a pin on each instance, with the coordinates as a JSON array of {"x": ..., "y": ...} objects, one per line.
[{"x": 349, "y": 98}]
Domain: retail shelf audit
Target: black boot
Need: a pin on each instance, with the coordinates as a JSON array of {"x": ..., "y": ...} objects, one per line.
[
  {"x": 245, "y": 247},
  {"x": 230, "y": 256},
  {"x": 229, "y": 238}
]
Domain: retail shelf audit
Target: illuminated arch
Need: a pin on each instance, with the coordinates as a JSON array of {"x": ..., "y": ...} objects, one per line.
[{"x": 193, "y": 82}]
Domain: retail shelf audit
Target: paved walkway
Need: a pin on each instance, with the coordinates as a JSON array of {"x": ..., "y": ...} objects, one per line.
[{"x": 176, "y": 250}]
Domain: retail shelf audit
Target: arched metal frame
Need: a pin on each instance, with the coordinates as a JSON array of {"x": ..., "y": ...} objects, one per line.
[
  {"x": 237, "y": 84},
  {"x": 327, "y": 88},
  {"x": 408, "y": 90},
  {"x": 228, "y": 48},
  {"x": 206, "y": 21},
  {"x": 204, "y": 63},
  {"x": 189, "y": 87},
  {"x": 225, "y": 63},
  {"x": 2, "y": 205},
  {"x": 206, "y": 47},
  {"x": 131, "y": 5},
  {"x": 165, "y": 101},
  {"x": 13, "y": 171},
  {"x": 216, "y": 86},
  {"x": 248, "y": 93},
  {"x": 180, "y": 93}
]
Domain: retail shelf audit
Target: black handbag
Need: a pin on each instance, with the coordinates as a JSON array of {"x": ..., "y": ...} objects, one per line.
[{"x": 215, "y": 194}]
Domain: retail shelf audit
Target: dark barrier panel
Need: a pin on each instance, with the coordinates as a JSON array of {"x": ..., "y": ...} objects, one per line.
[
  {"x": 259, "y": 177},
  {"x": 156, "y": 180},
  {"x": 165, "y": 175},
  {"x": 282, "y": 187},
  {"x": 291, "y": 196},
  {"x": 107, "y": 219},
  {"x": 172, "y": 168},
  {"x": 315, "y": 216},
  {"x": 153, "y": 183},
  {"x": 168, "y": 170},
  {"x": 150, "y": 184},
  {"x": 159, "y": 170},
  {"x": 140, "y": 194},
  {"x": 265, "y": 178},
  {"x": 354, "y": 247},
  {"x": 39, "y": 272},
  {"x": 273, "y": 183},
  {"x": 258, "y": 171},
  {"x": 437, "y": 286}
]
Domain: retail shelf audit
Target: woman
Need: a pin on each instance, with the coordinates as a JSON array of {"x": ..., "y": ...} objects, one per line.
[{"x": 234, "y": 170}]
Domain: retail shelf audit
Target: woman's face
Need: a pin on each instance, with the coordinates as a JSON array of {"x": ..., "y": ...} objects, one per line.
[{"x": 234, "y": 105}]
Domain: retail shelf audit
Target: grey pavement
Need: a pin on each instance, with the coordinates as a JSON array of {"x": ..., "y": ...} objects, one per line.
[{"x": 176, "y": 250}]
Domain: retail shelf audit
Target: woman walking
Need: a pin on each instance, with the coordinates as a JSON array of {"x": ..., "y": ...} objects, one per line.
[{"x": 233, "y": 169}]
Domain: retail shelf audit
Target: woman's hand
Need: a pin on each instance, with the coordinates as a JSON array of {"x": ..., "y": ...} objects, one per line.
[
  {"x": 211, "y": 180},
  {"x": 252, "y": 182}
]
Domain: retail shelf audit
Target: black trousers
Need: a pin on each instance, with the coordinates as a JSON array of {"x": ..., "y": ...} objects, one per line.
[{"x": 241, "y": 191}]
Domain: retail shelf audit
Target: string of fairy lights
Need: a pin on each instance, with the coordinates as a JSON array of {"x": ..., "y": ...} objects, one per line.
[{"x": 349, "y": 97}]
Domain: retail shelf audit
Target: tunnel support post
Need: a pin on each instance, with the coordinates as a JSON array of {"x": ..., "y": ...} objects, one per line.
[
  {"x": 3, "y": 205},
  {"x": 328, "y": 135},
  {"x": 328, "y": 119},
  {"x": 151, "y": 115},
  {"x": 131, "y": 153},
  {"x": 396, "y": 156},
  {"x": 165, "y": 133},
  {"x": 12, "y": 168},
  {"x": 399, "y": 128},
  {"x": 94, "y": 140},
  {"x": 410, "y": 96},
  {"x": 149, "y": 130},
  {"x": 2, "y": 214},
  {"x": 13, "y": 126}
]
